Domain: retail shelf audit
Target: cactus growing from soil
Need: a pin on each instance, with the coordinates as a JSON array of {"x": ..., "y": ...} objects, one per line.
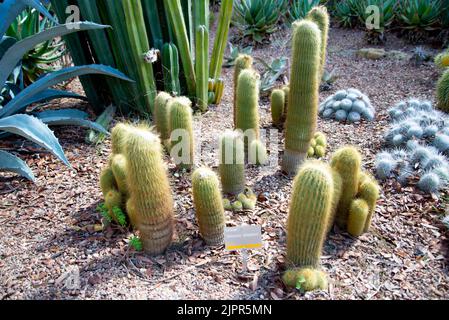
[
  {"x": 320, "y": 16},
  {"x": 358, "y": 214},
  {"x": 247, "y": 104},
  {"x": 202, "y": 67},
  {"x": 443, "y": 92},
  {"x": 118, "y": 166},
  {"x": 304, "y": 93},
  {"x": 277, "y": 106},
  {"x": 347, "y": 162},
  {"x": 181, "y": 129},
  {"x": 208, "y": 205},
  {"x": 369, "y": 192},
  {"x": 231, "y": 164},
  {"x": 150, "y": 205},
  {"x": 257, "y": 153},
  {"x": 309, "y": 214},
  {"x": 162, "y": 115},
  {"x": 242, "y": 62}
]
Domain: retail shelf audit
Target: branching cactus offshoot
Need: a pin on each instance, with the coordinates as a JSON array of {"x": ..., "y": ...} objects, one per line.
[
  {"x": 150, "y": 206},
  {"x": 277, "y": 106},
  {"x": 304, "y": 94},
  {"x": 208, "y": 205},
  {"x": 320, "y": 16},
  {"x": 232, "y": 162}
]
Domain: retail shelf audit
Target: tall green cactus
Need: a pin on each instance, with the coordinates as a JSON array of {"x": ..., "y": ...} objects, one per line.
[
  {"x": 304, "y": 94},
  {"x": 242, "y": 62},
  {"x": 221, "y": 38},
  {"x": 347, "y": 162},
  {"x": 201, "y": 14},
  {"x": 202, "y": 67},
  {"x": 170, "y": 68},
  {"x": 150, "y": 205},
  {"x": 178, "y": 24},
  {"x": 232, "y": 162},
  {"x": 277, "y": 106},
  {"x": 153, "y": 22},
  {"x": 181, "y": 129},
  {"x": 309, "y": 213},
  {"x": 320, "y": 16},
  {"x": 247, "y": 106},
  {"x": 162, "y": 114},
  {"x": 208, "y": 205}
]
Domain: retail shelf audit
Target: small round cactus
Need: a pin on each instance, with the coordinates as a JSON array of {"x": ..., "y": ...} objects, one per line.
[
  {"x": 430, "y": 182},
  {"x": 441, "y": 142},
  {"x": 237, "y": 206}
]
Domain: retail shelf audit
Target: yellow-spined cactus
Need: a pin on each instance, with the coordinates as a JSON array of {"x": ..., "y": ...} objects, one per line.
[
  {"x": 113, "y": 199},
  {"x": 442, "y": 60},
  {"x": 358, "y": 213},
  {"x": 208, "y": 205},
  {"x": 150, "y": 205},
  {"x": 309, "y": 214},
  {"x": 232, "y": 162},
  {"x": 257, "y": 153},
  {"x": 320, "y": 16},
  {"x": 247, "y": 203},
  {"x": 304, "y": 94},
  {"x": 347, "y": 162},
  {"x": 118, "y": 166},
  {"x": 107, "y": 180},
  {"x": 306, "y": 279},
  {"x": 277, "y": 106},
  {"x": 162, "y": 114},
  {"x": 338, "y": 188},
  {"x": 118, "y": 137},
  {"x": 181, "y": 129},
  {"x": 242, "y": 62},
  {"x": 369, "y": 191}
]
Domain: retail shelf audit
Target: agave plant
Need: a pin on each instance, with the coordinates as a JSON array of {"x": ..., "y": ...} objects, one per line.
[
  {"x": 387, "y": 9},
  {"x": 347, "y": 12},
  {"x": 257, "y": 19},
  {"x": 419, "y": 16},
  {"x": 272, "y": 72},
  {"x": 234, "y": 52},
  {"x": 14, "y": 117},
  {"x": 39, "y": 59},
  {"x": 300, "y": 8}
]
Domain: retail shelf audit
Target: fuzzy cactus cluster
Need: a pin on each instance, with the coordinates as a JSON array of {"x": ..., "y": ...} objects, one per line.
[
  {"x": 246, "y": 200},
  {"x": 347, "y": 105},
  {"x": 418, "y": 142},
  {"x": 318, "y": 146},
  {"x": 322, "y": 195}
]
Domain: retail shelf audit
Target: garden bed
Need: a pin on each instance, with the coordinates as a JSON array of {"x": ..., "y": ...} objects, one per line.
[{"x": 48, "y": 230}]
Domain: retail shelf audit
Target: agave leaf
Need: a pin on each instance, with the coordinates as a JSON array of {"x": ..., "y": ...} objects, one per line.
[
  {"x": 69, "y": 117},
  {"x": 10, "y": 9},
  {"x": 51, "y": 94},
  {"x": 66, "y": 113},
  {"x": 35, "y": 130},
  {"x": 15, "y": 53},
  {"x": 54, "y": 78},
  {"x": 11, "y": 163},
  {"x": 5, "y": 44}
]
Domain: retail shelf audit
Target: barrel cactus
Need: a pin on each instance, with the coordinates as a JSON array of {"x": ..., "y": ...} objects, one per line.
[
  {"x": 442, "y": 60},
  {"x": 208, "y": 205},
  {"x": 232, "y": 162},
  {"x": 304, "y": 94},
  {"x": 150, "y": 204},
  {"x": 347, "y": 105}
]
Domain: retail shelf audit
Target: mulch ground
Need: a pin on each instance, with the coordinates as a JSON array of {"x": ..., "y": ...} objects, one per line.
[{"x": 47, "y": 229}]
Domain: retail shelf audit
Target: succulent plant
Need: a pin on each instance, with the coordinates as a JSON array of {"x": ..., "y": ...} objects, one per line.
[
  {"x": 441, "y": 142},
  {"x": 306, "y": 279},
  {"x": 118, "y": 138},
  {"x": 369, "y": 192},
  {"x": 304, "y": 94},
  {"x": 257, "y": 153},
  {"x": 277, "y": 106},
  {"x": 208, "y": 205},
  {"x": 358, "y": 214},
  {"x": 242, "y": 62},
  {"x": 150, "y": 205},
  {"x": 320, "y": 16},
  {"x": 347, "y": 105},
  {"x": 237, "y": 206},
  {"x": 118, "y": 166},
  {"x": 430, "y": 182},
  {"x": 318, "y": 146},
  {"x": 107, "y": 180},
  {"x": 227, "y": 205},
  {"x": 442, "y": 60},
  {"x": 162, "y": 115},
  {"x": 231, "y": 164}
]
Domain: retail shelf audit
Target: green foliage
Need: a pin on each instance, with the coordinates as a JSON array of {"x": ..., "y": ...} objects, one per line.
[
  {"x": 271, "y": 73},
  {"x": 136, "y": 243},
  {"x": 104, "y": 212},
  {"x": 119, "y": 216},
  {"x": 170, "y": 68},
  {"x": 299, "y": 9},
  {"x": 234, "y": 53}
]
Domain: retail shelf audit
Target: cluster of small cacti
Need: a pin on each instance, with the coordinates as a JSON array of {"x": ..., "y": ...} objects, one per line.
[
  {"x": 347, "y": 105},
  {"x": 318, "y": 146},
  {"x": 246, "y": 200},
  {"x": 322, "y": 195},
  {"x": 216, "y": 90},
  {"x": 442, "y": 60}
]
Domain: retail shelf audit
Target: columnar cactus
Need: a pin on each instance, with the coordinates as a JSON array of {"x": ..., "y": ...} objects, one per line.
[
  {"x": 277, "y": 106},
  {"x": 369, "y": 191},
  {"x": 118, "y": 166},
  {"x": 247, "y": 104},
  {"x": 309, "y": 214},
  {"x": 118, "y": 137},
  {"x": 347, "y": 162},
  {"x": 107, "y": 180},
  {"x": 443, "y": 92},
  {"x": 242, "y": 62},
  {"x": 357, "y": 217},
  {"x": 150, "y": 205},
  {"x": 170, "y": 68},
  {"x": 304, "y": 94},
  {"x": 202, "y": 67},
  {"x": 182, "y": 140},
  {"x": 257, "y": 153},
  {"x": 208, "y": 205},
  {"x": 320, "y": 16},
  {"x": 231, "y": 166},
  {"x": 162, "y": 115}
]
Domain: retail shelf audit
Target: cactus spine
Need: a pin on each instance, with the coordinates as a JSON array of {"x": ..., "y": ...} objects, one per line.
[
  {"x": 247, "y": 117},
  {"x": 443, "y": 92},
  {"x": 118, "y": 138},
  {"x": 304, "y": 93},
  {"x": 118, "y": 166},
  {"x": 309, "y": 214},
  {"x": 242, "y": 62},
  {"x": 170, "y": 68},
  {"x": 369, "y": 191},
  {"x": 202, "y": 67},
  {"x": 320, "y": 16},
  {"x": 347, "y": 162},
  {"x": 257, "y": 153},
  {"x": 181, "y": 120},
  {"x": 107, "y": 180},
  {"x": 208, "y": 205},
  {"x": 358, "y": 213},
  {"x": 231, "y": 166},
  {"x": 277, "y": 106},
  {"x": 162, "y": 115},
  {"x": 150, "y": 206}
]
